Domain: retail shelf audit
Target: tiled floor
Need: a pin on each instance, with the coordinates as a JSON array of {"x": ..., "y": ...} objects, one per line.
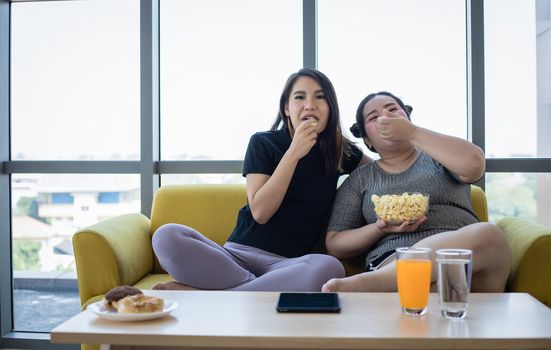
[{"x": 42, "y": 310}]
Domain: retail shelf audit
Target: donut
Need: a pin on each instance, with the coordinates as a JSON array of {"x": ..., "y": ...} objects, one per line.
[
  {"x": 140, "y": 303},
  {"x": 114, "y": 295}
]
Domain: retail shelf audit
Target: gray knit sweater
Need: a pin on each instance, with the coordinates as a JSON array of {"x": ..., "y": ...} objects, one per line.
[{"x": 449, "y": 202}]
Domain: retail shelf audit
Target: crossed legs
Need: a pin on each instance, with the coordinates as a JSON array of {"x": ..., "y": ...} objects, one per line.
[
  {"x": 196, "y": 262},
  {"x": 491, "y": 262}
]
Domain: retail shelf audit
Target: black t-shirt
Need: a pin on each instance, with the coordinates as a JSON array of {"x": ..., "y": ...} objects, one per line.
[{"x": 296, "y": 226}]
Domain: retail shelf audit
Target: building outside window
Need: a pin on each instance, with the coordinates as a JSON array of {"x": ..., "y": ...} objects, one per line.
[{"x": 61, "y": 198}]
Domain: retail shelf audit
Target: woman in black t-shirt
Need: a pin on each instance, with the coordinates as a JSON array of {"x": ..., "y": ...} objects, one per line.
[{"x": 291, "y": 174}]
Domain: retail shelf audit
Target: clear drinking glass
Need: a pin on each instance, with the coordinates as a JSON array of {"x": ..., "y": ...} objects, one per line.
[
  {"x": 413, "y": 269},
  {"x": 454, "y": 281}
]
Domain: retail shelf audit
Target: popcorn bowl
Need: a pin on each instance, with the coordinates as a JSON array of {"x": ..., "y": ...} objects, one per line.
[{"x": 396, "y": 209}]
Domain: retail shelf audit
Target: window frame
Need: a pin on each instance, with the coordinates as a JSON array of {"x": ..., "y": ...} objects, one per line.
[{"x": 149, "y": 167}]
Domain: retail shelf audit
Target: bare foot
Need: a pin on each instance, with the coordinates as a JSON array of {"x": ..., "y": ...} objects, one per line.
[
  {"x": 339, "y": 285},
  {"x": 330, "y": 286},
  {"x": 172, "y": 285},
  {"x": 363, "y": 282}
]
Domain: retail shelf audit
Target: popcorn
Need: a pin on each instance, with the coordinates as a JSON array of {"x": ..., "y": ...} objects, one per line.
[{"x": 396, "y": 209}]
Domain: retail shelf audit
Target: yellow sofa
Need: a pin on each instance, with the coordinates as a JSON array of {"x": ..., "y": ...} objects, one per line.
[{"x": 118, "y": 251}]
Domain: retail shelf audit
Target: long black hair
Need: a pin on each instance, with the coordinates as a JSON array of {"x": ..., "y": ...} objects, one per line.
[
  {"x": 334, "y": 146},
  {"x": 358, "y": 129}
]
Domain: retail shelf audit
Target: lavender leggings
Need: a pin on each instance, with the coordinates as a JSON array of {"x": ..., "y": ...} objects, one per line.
[{"x": 194, "y": 260}]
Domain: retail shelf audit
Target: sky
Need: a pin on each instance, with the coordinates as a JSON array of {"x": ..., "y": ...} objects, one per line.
[{"x": 75, "y": 71}]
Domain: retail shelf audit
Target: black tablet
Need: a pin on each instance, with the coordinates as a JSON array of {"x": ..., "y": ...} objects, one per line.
[{"x": 308, "y": 302}]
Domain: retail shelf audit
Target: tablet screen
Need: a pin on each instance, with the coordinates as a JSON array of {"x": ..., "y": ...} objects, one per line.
[{"x": 308, "y": 302}]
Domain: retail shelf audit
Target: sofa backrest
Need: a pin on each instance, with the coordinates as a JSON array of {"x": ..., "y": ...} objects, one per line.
[
  {"x": 479, "y": 202},
  {"x": 212, "y": 208}
]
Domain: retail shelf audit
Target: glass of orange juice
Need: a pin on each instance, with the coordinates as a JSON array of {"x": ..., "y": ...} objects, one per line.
[{"x": 413, "y": 268}]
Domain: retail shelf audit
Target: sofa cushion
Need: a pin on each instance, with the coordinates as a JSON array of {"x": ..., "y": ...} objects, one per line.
[
  {"x": 530, "y": 245},
  {"x": 152, "y": 279}
]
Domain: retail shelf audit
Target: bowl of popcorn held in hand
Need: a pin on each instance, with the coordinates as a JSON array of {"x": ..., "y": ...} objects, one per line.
[{"x": 395, "y": 209}]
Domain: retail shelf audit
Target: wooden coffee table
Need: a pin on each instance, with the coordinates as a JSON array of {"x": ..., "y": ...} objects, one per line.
[{"x": 248, "y": 320}]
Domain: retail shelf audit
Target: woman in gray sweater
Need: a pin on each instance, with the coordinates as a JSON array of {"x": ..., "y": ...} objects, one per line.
[{"x": 412, "y": 159}]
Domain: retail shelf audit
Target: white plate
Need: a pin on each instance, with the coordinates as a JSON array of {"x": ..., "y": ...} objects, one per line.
[{"x": 102, "y": 311}]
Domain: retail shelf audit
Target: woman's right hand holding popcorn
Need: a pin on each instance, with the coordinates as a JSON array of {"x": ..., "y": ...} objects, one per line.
[{"x": 305, "y": 137}]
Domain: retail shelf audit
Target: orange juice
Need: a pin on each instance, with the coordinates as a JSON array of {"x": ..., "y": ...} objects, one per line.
[{"x": 413, "y": 277}]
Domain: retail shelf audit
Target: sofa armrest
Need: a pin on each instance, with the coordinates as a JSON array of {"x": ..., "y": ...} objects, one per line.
[
  {"x": 111, "y": 253},
  {"x": 530, "y": 245}
]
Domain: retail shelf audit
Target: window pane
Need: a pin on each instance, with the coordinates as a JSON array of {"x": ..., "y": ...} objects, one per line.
[
  {"x": 75, "y": 80},
  {"x": 518, "y": 78},
  {"x": 415, "y": 49},
  {"x": 223, "y": 66},
  {"x": 47, "y": 209},
  {"x": 524, "y": 195}
]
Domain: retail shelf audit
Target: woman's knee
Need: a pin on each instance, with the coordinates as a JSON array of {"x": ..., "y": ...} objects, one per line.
[
  {"x": 327, "y": 266},
  {"x": 168, "y": 236},
  {"x": 490, "y": 237},
  {"x": 492, "y": 259},
  {"x": 162, "y": 234}
]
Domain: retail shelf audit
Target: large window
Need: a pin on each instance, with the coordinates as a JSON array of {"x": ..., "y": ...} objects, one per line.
[
  {"x": 223, "y": 66},
  {"x": 75, "y": 95},
  {"x": 511, "y": 79},
  {"x": 414, "y": 49},
  {"x": 518, "y": 104},
  {"x": 47, "y": 209},
  {"x": 75, "y": 80},
  {"x": 85, "y": 134}
]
